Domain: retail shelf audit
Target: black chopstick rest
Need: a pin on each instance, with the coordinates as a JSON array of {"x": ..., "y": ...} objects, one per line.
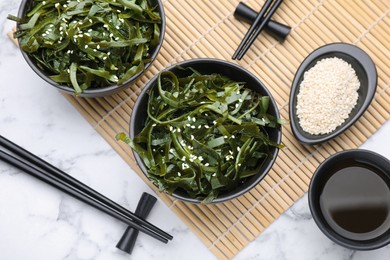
[
  {"x": 278, "y": 30},
  {"x": 145, "y": 205}
]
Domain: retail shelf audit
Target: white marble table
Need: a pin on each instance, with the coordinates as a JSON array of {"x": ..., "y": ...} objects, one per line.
[{"x": 39, "y": 222}]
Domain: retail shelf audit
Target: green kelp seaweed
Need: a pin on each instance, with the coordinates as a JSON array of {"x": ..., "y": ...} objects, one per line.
[
  {"x": 89, "y": 43},
  {"x": 205, "y": 134}
]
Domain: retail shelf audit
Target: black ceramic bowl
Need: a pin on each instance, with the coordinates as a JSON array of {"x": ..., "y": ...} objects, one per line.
[
  {"x": 91, "y": 92},
  {"x": 365, "y": 71},
  {"x": 235, "y": 72},
  {"x": 342, "y": 160}
]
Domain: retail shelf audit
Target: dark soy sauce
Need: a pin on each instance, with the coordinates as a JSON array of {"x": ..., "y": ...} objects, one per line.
[{"x": 355, "y": 201}]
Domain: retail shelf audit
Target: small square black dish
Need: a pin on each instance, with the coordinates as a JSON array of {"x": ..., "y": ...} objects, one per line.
[{"x": 366, "y": 73}]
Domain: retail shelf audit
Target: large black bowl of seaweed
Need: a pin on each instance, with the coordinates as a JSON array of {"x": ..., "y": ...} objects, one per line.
[
  {"x": 205, "y": 131},
  {"x": 90, "y": 48}
]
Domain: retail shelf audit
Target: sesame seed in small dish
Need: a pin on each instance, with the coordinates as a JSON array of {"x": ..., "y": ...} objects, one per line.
[{"x": 331, "y": 89}]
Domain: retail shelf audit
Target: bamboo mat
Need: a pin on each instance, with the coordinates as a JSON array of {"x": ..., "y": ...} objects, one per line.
[{"x": 206, "y": 28}]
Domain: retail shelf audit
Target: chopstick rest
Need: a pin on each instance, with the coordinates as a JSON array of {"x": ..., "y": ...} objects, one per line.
[
  {"x": 145, "y": 205},
  {"x": 278, "y": 30}
]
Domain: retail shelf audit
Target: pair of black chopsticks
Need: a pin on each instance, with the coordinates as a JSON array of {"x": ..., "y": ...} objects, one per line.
[
  {"x": 35, "y": 166},
  {"x": 262, "y": 18}
]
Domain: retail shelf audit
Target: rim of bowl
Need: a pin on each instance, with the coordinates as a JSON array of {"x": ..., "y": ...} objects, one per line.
[
  {"x": 369, "y": 68},
  {"x": 316, "y": 186},
  {"x": 101, "y": 91},
  {"x": 187, "y": 63}
]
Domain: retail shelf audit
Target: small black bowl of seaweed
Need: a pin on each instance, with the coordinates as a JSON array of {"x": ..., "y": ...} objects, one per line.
[
  {"x": 205, "y": 131},
  {"x": 90, "y": 48}
]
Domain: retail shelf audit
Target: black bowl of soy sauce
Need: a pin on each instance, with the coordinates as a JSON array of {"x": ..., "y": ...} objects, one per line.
[{"x": 349, "y": 198}]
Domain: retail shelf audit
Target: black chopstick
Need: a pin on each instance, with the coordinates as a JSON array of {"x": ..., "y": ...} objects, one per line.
[
  {"x": 67, "y": 184},
  {"x": 258, "y": 29},
  {"x": 53, "y": 171},
  {"x": 253, "y": 27}
]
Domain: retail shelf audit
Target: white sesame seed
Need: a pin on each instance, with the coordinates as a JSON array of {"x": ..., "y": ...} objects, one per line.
[
  {"x": 118, "y": 11},
  {"x": 183, "y": 158},
  {"x": 188, "y": 118},
  {"x": 111, "y": 35},
  {"x": 94, "y": 50},
  {"x": 189, "y": 125},
  {"x": 86, "y": 46},
  {"x": 89, "y": 30},
  {"x": 174, "y": 130},
  {"x": 98, "y": 46},
  {"x": 170, "y": 128},
  {"x": 90, "y": 20},
  {"x": 214, "y": 122},
  {"x": 239, "y": 164},
  {"x": 192, "y": 137},
  {"x": 117, "y": 27},
  {"x": 214, "y": 174},
  {"x": 80, "y": 22},
  {"x": 43, "y": 34},
  {"x": 206, "y": 126},
  {"x": 200, "y": 126},
  {"x": 87, "y": 34},
  {"x": 171, "y": 150},
  {"x": 105, "y": 58},
  {"x": 206, "y": 164},
  {"x": 179, "y": 174},
  {"x": 65, "y": 6},
  {"x": 61, "y": 38},
  {"x": 225, "y": 136},
  {"x": 116, "y": 38},
  {"x": 240, "y": 100},
  {"x": 68, "y": 70},
  {"x": 238, "y": 149},
  {"x": 56, "y": 5},
  {"x": 43, "y": 2},
  {"x": 233, "y": 136},
  {"x": 193, "y": 119},
  {"x": 178, "y": 130},
  {"x": 193, "y": 127},
  {"x": 108, "y": 53},
  {"x": 200, "y": 158},
  {"x": 51, "y": 25},
  {"x": 230, "y": 151},
  {"x": 237, "y": 105},
  {"x": 154, "y": 125}
]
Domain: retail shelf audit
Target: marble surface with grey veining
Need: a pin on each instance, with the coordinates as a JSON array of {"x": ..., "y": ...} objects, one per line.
[{"x": 38, "y": 222}]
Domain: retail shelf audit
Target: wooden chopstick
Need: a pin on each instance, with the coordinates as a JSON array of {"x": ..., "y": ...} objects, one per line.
[
  {"x": 55, "y": 177},
  {"x": 258, "y": 29}
]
